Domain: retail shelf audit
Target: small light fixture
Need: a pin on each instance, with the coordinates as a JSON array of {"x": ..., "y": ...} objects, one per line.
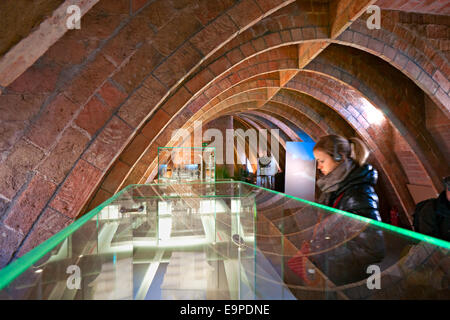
[{"x": 38, "y": 271}]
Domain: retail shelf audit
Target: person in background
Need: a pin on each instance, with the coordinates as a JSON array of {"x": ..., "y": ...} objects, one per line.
[{"x": 432, "y": 216}]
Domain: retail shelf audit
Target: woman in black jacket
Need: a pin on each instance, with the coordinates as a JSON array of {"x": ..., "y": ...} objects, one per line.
[
  {"x": 348, "y": 181},
  {"x": 348, "y": 184}
]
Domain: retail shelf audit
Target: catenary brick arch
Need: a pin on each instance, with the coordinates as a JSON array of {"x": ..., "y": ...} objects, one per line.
[
  {"x": 264, "y": 66},
  {"x": 304, "y": 122},
  {"x": 213, "y": 98},
  {"x": 397, "y": 42},
  {"x": 213, "y": 113},
  {"x": 85, "y": 102},
  {"x": 239, "y": 108},
  {"x": 92, "y": 72}
]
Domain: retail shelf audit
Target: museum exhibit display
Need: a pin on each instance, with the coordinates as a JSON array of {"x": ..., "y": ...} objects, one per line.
[
  {"x": 186, "y": 164},
  {"x": 227, "y": 240}
]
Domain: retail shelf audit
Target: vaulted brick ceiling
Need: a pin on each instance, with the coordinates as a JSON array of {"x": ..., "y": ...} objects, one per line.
[
  {"x": 19, "y": 17},
  {"x": 83, "y": 111}
]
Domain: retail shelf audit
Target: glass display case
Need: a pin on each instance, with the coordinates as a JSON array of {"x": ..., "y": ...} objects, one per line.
[
  {"x": 227, "y": 240},
  {"x": 186, "y": 164}
]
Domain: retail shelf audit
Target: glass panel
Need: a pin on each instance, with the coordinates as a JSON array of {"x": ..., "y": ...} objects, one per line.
[
  {"x": 227, "y": 240},
  {"x": 93, "y": 262},
  {"x": 184, "y": 164},
  {"x": 114, "y": 259},
  {"x": 330, "y": 254}
]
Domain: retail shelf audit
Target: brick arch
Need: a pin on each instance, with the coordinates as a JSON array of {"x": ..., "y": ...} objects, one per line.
[
  {"x": 242, "y": 97},
  {"x": 398, "y": 45},
  {"x": 388, "y": 163},
  {"x": 435, "y": 177},
  {"x": 346, "y": 114},
  {"x": 285, "y": 111},
  {"x": 283, "y": 59},
  {"x": 241, "y": 104},
  {"x": 294, "y": 108},
  {"x": 140, "y": 175},
  {"x": 372, "y": 43},
  {"x": 115, "y": 70},
  {"x": 217, "y": 89},
  {"x": 407, "y": 119},
  {"x": 267, "y": 124},
  {"x": 207, "y": 88},
  {"x": 123, "y": 174},
  {"x": 183, "y": 95},
  {"x": 233, "y": 109},
  {"x": 293, "y": 136},
  {"x": 298, "y": 119},
  {"x": 238, "y": 108},
  {"x": 132, "y": 178},
  {"x": 255, "y": 82},
  {"x": 291, "y": 114},
  {"x": 213, "y": 98},
  {"x": 407, "y": 51},
  {"x": 246, "y": 86},
  {"x": 251, "y": 123},
  {"x": 320, "y": 95},
  {"x": 126, "y": 81}
]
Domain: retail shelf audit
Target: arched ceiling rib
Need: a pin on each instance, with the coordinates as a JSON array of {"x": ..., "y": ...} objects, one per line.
[{"x": 198, "y": 61}]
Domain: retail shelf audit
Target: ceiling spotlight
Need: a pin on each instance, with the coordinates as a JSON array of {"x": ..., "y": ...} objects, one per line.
[{"x": 38, "y": 271}]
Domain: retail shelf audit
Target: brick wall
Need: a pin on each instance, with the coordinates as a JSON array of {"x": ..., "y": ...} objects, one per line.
[{"x": 86, "y": 119}]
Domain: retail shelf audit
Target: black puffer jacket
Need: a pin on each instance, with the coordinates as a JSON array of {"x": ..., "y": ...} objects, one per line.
[
  {"x": 359, "y": 195},
  {"x": 348, "y": 262},
  {"x": 432, "y": 217}
]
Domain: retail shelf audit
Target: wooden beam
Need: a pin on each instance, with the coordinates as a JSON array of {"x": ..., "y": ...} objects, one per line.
[{"x": 31, "y": 48}]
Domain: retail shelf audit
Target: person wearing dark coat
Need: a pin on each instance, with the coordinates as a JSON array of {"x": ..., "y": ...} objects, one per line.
[
  {"x": 348, "y": 184},
  {"x": 432, "y": 216}
]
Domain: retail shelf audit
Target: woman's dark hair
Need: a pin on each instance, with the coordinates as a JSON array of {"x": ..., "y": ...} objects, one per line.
[{"x": 340, "y": 148}]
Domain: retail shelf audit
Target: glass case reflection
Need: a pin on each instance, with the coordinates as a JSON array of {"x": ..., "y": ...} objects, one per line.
[{"x": 186, "y": 164}]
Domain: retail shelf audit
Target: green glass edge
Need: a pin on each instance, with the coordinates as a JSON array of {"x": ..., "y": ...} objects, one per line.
[
  {"x": 408, "y": 233},
  {"x": 14, "y": 269},
  {"x": 17, "y": 267}
]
